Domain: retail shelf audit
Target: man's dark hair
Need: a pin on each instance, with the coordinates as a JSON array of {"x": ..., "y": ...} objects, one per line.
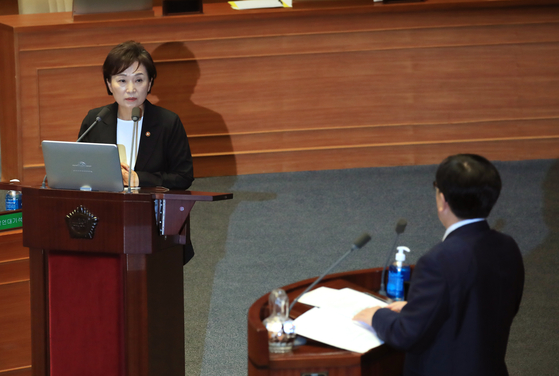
[
  {"x": 470, "y": 184},
  {"x": 123, "y": 56}
]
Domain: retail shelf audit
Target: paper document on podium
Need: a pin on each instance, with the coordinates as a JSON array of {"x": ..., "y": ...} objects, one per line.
[{"x": 331, "y": 322}]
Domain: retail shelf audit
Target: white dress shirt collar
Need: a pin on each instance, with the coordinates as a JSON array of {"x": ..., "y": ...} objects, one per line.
[{"x": 460, "y": 224}]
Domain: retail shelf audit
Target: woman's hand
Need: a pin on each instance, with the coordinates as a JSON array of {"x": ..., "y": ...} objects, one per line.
[{"x": 125, "y": 169}]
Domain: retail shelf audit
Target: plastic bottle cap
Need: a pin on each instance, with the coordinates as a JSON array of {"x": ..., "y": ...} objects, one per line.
[{"x": 401, "y": 256}]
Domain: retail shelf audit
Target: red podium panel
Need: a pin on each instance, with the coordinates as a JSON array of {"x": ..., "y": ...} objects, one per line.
[
  {"x": 315, "y": 358},
  {"x": 106, "y": 280}
]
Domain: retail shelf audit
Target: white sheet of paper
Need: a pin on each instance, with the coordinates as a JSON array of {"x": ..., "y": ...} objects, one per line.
[
  {"x": 320, "y": 296},
  {"x": 326, "y": 297},
  {"x": 260, "y": 4},
  {"x": 331, "y": 322},
  {"x": 336, "y": 328}
]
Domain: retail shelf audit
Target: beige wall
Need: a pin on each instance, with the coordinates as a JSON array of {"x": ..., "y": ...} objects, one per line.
[{"x": 44, "y": 6}]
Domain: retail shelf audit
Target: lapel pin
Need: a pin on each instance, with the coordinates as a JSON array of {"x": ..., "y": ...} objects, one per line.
[{"x": 148, "y": 134}]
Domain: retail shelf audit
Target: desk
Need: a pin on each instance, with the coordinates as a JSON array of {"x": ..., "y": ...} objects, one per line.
[
  {"x": 323, "y": 85},
  {"x": 315, "y": 357}
]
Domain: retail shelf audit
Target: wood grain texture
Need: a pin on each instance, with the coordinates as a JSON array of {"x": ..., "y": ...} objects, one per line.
[
  {"x": 15, "y": 314},
  {"x": 15, "y": 326},
  {"x": 9, "y": 7},
  {"x": 9, "y": 122},
  {"x": 11, "y": 246},
  {"x": 14, "y": 271},
  {"x": 258, "y": 89},
  {"x": 20, "y": 371}
]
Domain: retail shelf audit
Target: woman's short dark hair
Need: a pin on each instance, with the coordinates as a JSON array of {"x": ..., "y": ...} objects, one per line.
[
  {"x": 123, "y": 56},
  {"x": 470, "y": 184}
]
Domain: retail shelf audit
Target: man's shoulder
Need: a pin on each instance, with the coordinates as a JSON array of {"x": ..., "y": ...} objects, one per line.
[
  {"x": 457, "y": 246},
  {"x": 461, "y": 248}
]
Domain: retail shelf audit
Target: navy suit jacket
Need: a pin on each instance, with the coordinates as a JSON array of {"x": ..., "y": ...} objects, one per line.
[
  {"x": 463, "y": 296},
  {"x": 164, "y": 157}
]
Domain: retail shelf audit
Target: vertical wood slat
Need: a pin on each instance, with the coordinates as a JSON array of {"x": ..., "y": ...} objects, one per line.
[
  {"x": 15, "y": 314},
  {"x": 10, "y": 142}
]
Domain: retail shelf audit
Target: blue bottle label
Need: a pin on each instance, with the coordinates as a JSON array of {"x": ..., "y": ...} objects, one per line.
[
  {"x": 395, "y": 286},
  {"x": 12, "y": 204},
  {"x": 13, "y": 200}
]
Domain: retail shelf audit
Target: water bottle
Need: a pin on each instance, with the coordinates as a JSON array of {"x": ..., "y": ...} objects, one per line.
[
  {"x": 13, "y": 198},
  {"x": 398, "y": 273}
]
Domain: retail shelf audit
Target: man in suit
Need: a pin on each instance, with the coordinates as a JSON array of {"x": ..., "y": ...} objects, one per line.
[{"x": 466, "y": 290}]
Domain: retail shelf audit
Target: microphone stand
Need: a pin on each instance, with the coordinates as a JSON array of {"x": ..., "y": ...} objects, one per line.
[
  {"x": 134, "y": 145},
  {"x": 359, "y": 243}
]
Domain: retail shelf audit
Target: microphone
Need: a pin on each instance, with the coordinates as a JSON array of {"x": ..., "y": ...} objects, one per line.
[
  {"x": 104, "y": 111},
  {"x": 400, "y": 228},
  {"x": 136, "y": 114},
  {"x": 357, "y": 244}
]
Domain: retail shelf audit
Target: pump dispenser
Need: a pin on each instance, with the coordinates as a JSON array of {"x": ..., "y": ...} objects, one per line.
[{"x": 398, "y": 273}]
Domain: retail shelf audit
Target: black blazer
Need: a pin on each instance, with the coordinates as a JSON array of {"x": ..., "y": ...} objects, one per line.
[
  {"x": 463, "y": 296},
  {"x": 164, "y": 157}
]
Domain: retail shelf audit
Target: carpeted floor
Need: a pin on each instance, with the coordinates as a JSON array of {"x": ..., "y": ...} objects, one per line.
[{"x": 281, "y": 228}]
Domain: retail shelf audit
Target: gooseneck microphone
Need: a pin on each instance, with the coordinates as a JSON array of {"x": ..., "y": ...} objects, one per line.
[
  {"x": 400, "y": 228},
  {"x": 104, "y": 111},
  {"x": 357, "y": 244},
  {"x": 136, "y": 114}
]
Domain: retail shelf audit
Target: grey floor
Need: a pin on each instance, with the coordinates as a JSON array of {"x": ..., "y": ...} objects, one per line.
[{"x": 281, "y": 228}]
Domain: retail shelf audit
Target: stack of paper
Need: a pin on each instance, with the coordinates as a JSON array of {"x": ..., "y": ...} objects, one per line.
[{"x": 331, "y": 321}]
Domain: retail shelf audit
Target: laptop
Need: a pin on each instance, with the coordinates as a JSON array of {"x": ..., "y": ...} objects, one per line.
[
  {"x": 110, "y": 6},
  {"x": 81, "y": 165}
]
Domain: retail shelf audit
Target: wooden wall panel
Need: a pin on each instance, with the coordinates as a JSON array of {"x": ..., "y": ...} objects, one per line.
[
  {"x": 24, "y": 371},
  {"x": 14, "y": 271},
  {"x": 377, "y": 156},
  {"x": 10, "y": 129},
  {"x": 314, "y": 78},
  {"x": 15, "y": 313},
  {"x": 8, "y": 7},
  {"x": 373, "y": 136},
  {"x": 59, "y": 89}
]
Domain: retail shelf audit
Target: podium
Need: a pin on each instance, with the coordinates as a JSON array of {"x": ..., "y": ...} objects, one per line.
[
  {"x": 106, "y": 280},
  {"x": 314, "y": 358}
]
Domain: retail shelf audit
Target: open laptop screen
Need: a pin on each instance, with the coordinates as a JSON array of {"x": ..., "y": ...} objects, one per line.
[{"x": 81, "y": 165}]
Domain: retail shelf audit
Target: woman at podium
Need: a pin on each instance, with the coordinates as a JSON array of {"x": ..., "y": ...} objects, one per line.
[{"x": 162, "y": 157}]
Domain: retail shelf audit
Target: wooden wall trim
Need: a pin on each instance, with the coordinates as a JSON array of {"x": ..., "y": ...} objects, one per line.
[{"x": 20, "y": 371}]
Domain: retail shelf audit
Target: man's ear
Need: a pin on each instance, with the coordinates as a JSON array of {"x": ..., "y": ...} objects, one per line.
[{"x": 442, "y": 205}]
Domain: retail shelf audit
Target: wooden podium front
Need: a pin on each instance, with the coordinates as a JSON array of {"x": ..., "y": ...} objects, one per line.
[
  {"x": 106, "y": 280},
  {"x": 314, "y": 358}
]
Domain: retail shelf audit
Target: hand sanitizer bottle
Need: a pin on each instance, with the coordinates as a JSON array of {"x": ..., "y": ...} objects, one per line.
[{"x": 398, "y": 273}]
